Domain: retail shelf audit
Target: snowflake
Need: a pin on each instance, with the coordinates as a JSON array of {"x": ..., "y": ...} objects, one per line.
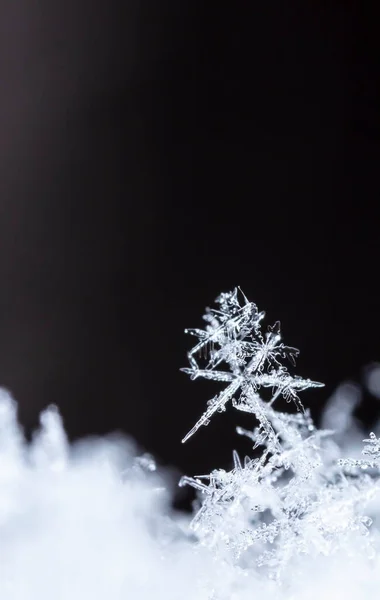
[{"x": 252, "y": 360}]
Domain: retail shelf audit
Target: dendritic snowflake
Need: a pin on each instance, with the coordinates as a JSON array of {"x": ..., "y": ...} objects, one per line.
[{"x": 252, "y": 360}]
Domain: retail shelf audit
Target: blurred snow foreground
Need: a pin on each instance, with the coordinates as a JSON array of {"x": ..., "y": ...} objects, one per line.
[{"x": 300, "y": 519}]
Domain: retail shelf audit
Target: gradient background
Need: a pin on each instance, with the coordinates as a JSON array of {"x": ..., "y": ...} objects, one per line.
[{"x": 153, "y": 154}]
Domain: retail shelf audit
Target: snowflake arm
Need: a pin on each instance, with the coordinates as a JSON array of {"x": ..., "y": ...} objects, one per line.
[{"x": 217, "y": 404}]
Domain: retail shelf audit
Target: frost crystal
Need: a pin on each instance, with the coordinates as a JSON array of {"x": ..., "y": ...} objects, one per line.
[{"x": 294, "y": 499}]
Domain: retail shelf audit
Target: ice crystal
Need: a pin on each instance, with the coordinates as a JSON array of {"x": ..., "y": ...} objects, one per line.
[
  {"x": 294, "y": 499},
  {"x": 371, "y": 449},
  {"x": 236, "y": 352}
]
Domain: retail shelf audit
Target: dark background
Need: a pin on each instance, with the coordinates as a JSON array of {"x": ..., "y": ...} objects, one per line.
[{"x": 153, "y": 154}]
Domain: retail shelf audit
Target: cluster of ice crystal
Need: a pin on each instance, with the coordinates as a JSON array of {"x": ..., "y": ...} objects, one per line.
[
  {"x": 294, "y": 500},
  {"x": 299, "y": 520}
]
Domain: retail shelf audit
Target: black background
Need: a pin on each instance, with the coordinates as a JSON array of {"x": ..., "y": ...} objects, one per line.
[{"x": 153, "y": 154}]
